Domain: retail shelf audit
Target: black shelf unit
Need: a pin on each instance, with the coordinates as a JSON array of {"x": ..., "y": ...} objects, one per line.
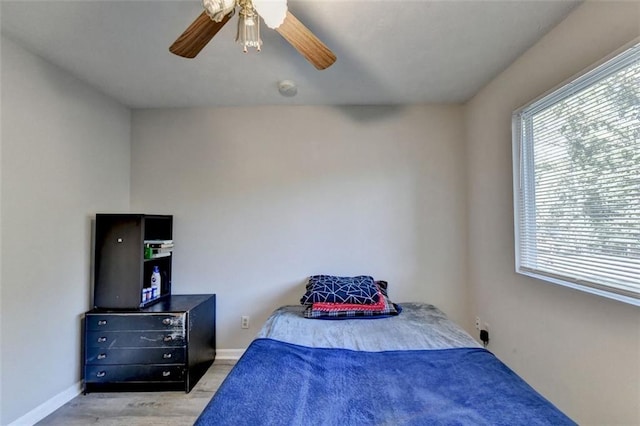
[{"x": 121, "y": 270}]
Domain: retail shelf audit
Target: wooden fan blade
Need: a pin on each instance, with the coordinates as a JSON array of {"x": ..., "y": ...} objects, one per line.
[
  {"x": 196, "y": 37},
  {"x": 303, "y": 40}
]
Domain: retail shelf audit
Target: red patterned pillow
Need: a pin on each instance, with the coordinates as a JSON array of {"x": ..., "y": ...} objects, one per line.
[
  {"x": 330, "y": 307},
  {"x": 390, "y": 309}
]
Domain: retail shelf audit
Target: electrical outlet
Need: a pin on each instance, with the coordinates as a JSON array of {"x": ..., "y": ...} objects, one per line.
[
  {"x": 244, "y": 322},
  {"x": 486, "y": 326},
  {"x": 478, "y": 322}
]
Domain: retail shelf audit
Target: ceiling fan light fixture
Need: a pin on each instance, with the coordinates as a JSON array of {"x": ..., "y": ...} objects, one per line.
[
  {"x": 248, "y": 27},
  {"x": 218, "y": 9},
  {"x": 272, "y": 12}
]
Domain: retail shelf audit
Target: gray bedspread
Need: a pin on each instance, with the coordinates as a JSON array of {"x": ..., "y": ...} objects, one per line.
[{"x": 419, "y": 326}]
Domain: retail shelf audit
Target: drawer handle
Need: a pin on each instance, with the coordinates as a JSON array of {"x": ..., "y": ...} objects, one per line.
[
  {"x": 166, "y": 373},
  {"x": 101, "y": 374},
  {"x": 167, "y": 321},
  {"x": 166, "y": 356},
  {"x": 102, "y": 339},
  {"x": 167, "y": 338},
  {"x": 102, "y": 356},
  {"x": 102, "y": 322}
]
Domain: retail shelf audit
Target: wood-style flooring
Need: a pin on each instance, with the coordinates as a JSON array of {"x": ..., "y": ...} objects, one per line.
[{"x": 141, "y": 408}]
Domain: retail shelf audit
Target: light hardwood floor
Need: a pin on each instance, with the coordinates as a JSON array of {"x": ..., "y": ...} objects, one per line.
[{"x": 141, "y": 408}]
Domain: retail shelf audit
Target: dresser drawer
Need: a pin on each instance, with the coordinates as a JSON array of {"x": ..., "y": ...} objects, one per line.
[
  {"x": 133, "y": 373},
  {"x": 134, "y": 339},
  {"x": 115, "y": 322},
  {"x": 105, "y": 356},
  {"x": 166, "y": 346}
]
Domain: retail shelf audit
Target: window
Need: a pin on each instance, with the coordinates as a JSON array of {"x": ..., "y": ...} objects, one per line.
[{"x": 576, "y": 154}]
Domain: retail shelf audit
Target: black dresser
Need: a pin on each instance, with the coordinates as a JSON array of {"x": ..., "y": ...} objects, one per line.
[{"x": 166, "y": 346}]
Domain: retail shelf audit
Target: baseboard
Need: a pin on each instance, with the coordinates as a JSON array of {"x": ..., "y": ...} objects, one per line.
[
  {"x": 229, "y": 354},
  {"x": 49, "y": 406}
]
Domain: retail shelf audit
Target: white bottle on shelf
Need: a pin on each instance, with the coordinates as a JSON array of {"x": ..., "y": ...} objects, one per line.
[{"x": 155, "y": 282}]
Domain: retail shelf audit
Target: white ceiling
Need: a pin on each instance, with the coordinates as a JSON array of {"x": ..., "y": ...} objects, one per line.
[{"x": 389, "y": 51}]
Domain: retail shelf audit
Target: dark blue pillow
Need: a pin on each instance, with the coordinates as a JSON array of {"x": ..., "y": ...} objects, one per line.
[
  {"x": 383, "y": 285},
  {"x": 328, "y": 288}
]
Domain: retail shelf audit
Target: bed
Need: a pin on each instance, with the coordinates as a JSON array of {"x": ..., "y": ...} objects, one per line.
[{"x": 415, "y": 368}]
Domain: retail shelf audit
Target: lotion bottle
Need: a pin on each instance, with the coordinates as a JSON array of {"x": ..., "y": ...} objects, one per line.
[{"x": 155, "y": 282}]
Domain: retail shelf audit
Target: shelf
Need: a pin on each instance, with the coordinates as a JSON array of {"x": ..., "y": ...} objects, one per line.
[
  {"x": 122, "y": 268},
  {"x": 152, "y": 301},
  {"x": 158, "y": 256}
]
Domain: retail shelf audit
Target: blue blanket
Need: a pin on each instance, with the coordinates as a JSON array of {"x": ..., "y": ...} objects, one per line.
[{"x": 277, "y": 383}]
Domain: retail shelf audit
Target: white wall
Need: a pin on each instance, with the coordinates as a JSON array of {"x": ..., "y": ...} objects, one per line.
[
  {"x": 1, "y": 115},
  {"x": 579, "y": 350},
  {"x": 264, "y": 197},
  {"x": 65, "y": 156}
]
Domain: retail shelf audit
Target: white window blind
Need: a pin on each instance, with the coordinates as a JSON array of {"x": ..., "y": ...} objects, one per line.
[{"x": 577, "y": 182}]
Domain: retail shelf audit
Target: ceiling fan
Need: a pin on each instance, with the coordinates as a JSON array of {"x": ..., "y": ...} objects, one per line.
[{"x": 275, "y": 15}]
